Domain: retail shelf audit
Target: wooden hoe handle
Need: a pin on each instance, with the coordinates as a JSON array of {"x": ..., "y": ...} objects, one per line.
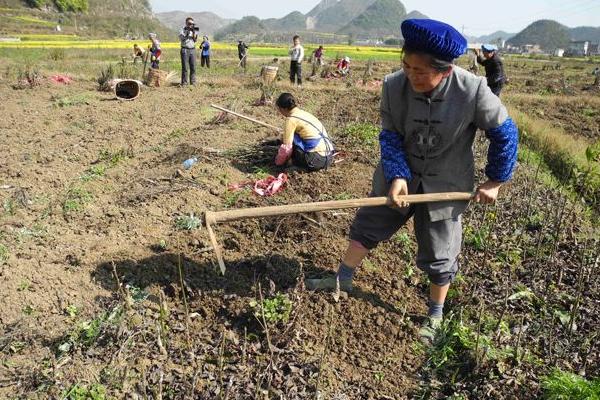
[{"x": 212, "y": 218}]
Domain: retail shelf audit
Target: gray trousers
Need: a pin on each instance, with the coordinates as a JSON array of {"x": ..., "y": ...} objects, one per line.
[
  {"x": 438, "y": 242},
  {"x": 188, "y": 63}
]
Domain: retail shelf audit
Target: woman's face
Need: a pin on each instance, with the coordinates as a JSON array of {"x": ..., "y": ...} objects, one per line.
[{"x": 422, "y": 77}]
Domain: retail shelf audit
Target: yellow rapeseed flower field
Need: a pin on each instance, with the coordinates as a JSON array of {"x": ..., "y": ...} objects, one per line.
[{"x": 268, "y": 50}]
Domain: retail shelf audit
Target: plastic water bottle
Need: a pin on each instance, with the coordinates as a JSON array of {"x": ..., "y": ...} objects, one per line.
[{"x": 189, "y": 163}]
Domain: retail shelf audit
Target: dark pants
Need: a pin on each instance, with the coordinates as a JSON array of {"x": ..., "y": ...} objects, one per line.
[
  {"x": 205, "y": 61},
  {"x": 310, "y": 161},
  {"x": 155, "y": 64},
  {"x": 243, "y": 60},
  {"x": 439, "y": 242},
  {"x": 188, "y": 63},
  {"x": 496, "y": 87},
  {"x": 296, "y": 71}
]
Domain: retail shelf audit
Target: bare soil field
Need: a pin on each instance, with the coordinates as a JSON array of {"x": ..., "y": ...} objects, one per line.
[{"x": 109, "y": 284}]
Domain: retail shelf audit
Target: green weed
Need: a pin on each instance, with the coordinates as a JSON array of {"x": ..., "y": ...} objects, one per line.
[
  {"x": 561, "y": 385},
  {"x": 3, "y": 254},
  {"x": 23, "y": 286},
  {"x": 276, "y": 309},
  {"x": 57, "y": 54},
  {"x": 369, "y": 266},
  {"x": 28, "y": 310},
  {"x": 454, "y": 345},
  {"x": 107, "y": 74},
  {"x": 114, "y": 157},
  {"x": 69, "y": 101},
  {"x": 87, "y": 332},
  {"x": 343, "y": 196},
  {"x": 261, "y": 172},
  {"x": 76, "y": 199},
  {"x": 176, "y": 134},
  {"x": 9, "y": 206},
  {"x": 72, "y": 310},
  {"x": 188, "y": 222},
  {"x": 94, "y": 172},
  {"x": 231, "y": 198},
  {"x": 363, "y": 133},
  {"x": 476, "y": 238},
  {"x": 83, "y": 392}
]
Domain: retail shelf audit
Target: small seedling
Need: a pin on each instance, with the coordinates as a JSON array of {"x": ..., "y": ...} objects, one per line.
[
  {"x": 261, "y": 172},
  {"x": 476, "y": 238},
  {"x": 3, "y": 254},
  {"x": 76, "y": 199},
  {"x": 94, "y": 172},
  {"x": 86, "y": 333},
  {"x": 232, "y": 198},
  {"x": 23, "y": 286},
  {"x": 379, "y": 376},
  {"x": 114, "y": 157},
  {"x": 402, "y": 238},
  {"x": 16, "y": 346},
  {"x": 28, "y": 310},
  {"x": 137, "y": 294},
  {"x": 82, "y": 392},
  {"x": 369, "y": 266},
  {"x": 72, "y": 310},
  {"x": 344, "y": 196},
  {"x": 9, "y": 206},
  {"x": 276, "y": 309},
  {"x": 69, "y": 101},
  {"x": 175, "y": 134},
  {"x": 188, "y": 222}
]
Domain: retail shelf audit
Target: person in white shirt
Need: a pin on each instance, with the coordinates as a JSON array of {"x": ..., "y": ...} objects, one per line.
[{"x": 297, "y": 55}]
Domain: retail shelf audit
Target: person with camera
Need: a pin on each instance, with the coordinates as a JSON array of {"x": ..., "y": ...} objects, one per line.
[{"x": 188, "y": 37}]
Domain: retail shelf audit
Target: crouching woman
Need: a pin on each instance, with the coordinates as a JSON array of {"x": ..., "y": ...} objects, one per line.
[{"x": 305, "y": 140}]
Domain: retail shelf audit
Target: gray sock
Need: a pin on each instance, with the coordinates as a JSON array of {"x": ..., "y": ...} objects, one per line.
[
  {"x": 345, "y": 273},
  {"x": 436, "y": 310}
]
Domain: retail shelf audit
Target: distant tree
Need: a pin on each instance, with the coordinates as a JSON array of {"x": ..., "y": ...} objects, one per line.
[
  {"x": 36, "y": 3},
  {"x": 350, "y": 39},
  {"x": 72, "y": 5}
]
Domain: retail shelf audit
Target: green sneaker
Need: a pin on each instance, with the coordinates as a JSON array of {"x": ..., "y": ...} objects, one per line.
[
  {"x": 329, "y": 283},
  {"x": 429, "y": 329}
]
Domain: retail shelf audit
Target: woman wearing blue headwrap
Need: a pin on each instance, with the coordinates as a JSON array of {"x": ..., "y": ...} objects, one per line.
[
  {"x": 494, "y": 68},
  {"x": 430, "y": 113}
]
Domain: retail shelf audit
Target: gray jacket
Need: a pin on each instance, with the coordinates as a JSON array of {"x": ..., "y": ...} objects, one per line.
[
  {"x": 438, "y": 131},
  {"x": 188, "y": 39}
]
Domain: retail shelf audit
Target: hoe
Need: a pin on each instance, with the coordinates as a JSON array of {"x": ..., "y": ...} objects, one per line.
[{"x": 212, "y": 218}]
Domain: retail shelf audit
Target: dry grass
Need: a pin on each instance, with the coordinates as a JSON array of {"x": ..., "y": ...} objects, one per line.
[{"x": 564, "y": 154}]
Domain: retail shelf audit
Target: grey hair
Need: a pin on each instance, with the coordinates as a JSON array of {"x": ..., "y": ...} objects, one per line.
[{"x": 434, "y": 62}]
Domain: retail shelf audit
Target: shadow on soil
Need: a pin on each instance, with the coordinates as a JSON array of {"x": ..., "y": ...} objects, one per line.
[{"x": 275, "y": 273}]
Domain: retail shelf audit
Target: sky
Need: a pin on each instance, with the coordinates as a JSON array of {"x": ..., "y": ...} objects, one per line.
[{"x": 473, "y": 18}]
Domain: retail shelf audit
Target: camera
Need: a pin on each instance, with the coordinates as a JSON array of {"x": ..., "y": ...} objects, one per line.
[{"x": 193, "y": 28}]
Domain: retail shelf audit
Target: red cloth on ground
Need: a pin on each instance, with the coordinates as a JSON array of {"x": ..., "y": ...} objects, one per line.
[{"x": 64, "y": 79}]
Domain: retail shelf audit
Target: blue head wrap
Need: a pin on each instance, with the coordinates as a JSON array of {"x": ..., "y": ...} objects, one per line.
[
  {"x": 433, "y": 37},
  {"x": 488, "y": 48}
]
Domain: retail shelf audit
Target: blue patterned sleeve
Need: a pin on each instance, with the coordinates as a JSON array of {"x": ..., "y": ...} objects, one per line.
[
  {"x": 393, "y": 156},
  {"x": 502, "y": 153}
]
